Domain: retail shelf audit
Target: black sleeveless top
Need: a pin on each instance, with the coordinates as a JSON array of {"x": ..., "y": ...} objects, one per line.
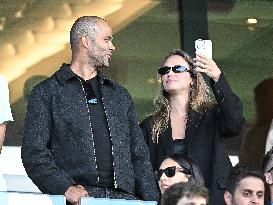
[{"x": 179, "y": 146}]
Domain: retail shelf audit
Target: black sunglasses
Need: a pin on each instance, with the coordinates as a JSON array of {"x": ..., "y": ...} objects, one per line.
[
  {"x": 176, "y": 69},
  {"x": 170, "y": 172}
]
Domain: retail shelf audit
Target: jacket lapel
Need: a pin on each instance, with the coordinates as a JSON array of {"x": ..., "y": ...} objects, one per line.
[
  {"x": 193, "y": 123},
  {"x": 165, "y": 140}
]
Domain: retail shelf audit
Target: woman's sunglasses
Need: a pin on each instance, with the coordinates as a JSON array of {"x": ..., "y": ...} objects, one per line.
[
  {"x": 176, "y": 69},
  {"x": 270, "y": 170},
  {"x": 170, "y": 172}
]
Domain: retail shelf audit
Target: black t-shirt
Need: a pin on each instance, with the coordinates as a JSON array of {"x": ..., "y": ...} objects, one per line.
[{"x": 101, "y": 133}]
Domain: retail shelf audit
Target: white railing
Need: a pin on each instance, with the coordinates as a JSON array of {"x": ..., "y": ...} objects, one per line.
[
  {"x": 17, "y": 189},
  {"x": 16, "y": 198}
]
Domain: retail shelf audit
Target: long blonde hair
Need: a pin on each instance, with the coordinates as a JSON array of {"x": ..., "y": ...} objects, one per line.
[{"x": 199, "y": 98}]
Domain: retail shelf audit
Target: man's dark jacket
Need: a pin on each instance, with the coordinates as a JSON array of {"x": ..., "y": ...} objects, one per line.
[{"x": 58, "y": 146}]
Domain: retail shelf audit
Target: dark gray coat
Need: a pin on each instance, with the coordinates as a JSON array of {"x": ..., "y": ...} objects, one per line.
[{"x": 58, "y": 147}]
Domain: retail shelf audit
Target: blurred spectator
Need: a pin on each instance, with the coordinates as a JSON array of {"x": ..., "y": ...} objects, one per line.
[
  {"x": 269, "y": 138},
  {"x": 254, "y": 140},
  {"x": 14, "y": 130},
  {"x": 245, "y": 185},
  {"x": 5, "y": 111},
  {"x": 267, "y": 165},
  {"x": 185, "y": 194},
  {"x": 178, "y": 168}
]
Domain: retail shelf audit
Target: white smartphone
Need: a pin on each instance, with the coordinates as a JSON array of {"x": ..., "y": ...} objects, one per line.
[{"x": 204, "y": 47}]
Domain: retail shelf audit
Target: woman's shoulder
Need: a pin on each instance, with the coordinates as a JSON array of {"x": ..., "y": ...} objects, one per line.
[{"x": 146, "y": 122}]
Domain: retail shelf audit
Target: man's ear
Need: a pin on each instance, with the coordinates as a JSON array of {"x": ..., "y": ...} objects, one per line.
[
  {"x": 268, "y": 178},
  {"x": 85, "y": 41},
  {"x": 228, "y": 198}
]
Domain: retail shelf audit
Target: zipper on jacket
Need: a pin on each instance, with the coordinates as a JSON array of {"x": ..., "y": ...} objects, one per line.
[
  {"x": 92, "y": 136},
  {"x": 115, "y": 181}
]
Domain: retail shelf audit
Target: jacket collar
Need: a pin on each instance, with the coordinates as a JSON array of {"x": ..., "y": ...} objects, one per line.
[{"x": 65, "y": 74}]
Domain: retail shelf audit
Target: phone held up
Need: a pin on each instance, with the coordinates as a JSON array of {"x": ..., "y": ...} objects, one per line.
[{"x": 204, "y": 47}]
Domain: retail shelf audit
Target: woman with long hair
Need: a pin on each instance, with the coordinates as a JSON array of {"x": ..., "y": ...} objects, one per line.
[
  {"x": 177, "y": 168},
  {"x": 189, "y": 121}
]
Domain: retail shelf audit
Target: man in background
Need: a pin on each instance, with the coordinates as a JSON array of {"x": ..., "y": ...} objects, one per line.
[
  {"x": 185, "y": 194},
  {"x": 245, "y": 186},
  {"x": 267, "y": 165}
]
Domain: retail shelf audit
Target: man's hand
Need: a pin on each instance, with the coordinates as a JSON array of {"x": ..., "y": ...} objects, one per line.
[{"x": 74, "y": 193}]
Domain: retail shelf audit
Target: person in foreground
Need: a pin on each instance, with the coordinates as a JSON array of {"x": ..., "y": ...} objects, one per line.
[
  {"x": 189, "y": 122},
  {"x": 185, "y": 194},
  {"x": 178, "y": 168},
  {"x": 245, "y": 186},
  {"x": 5, "y": 111},
  {"x": 81, "y": 136},
  {"x": 267, "y": 166}
]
